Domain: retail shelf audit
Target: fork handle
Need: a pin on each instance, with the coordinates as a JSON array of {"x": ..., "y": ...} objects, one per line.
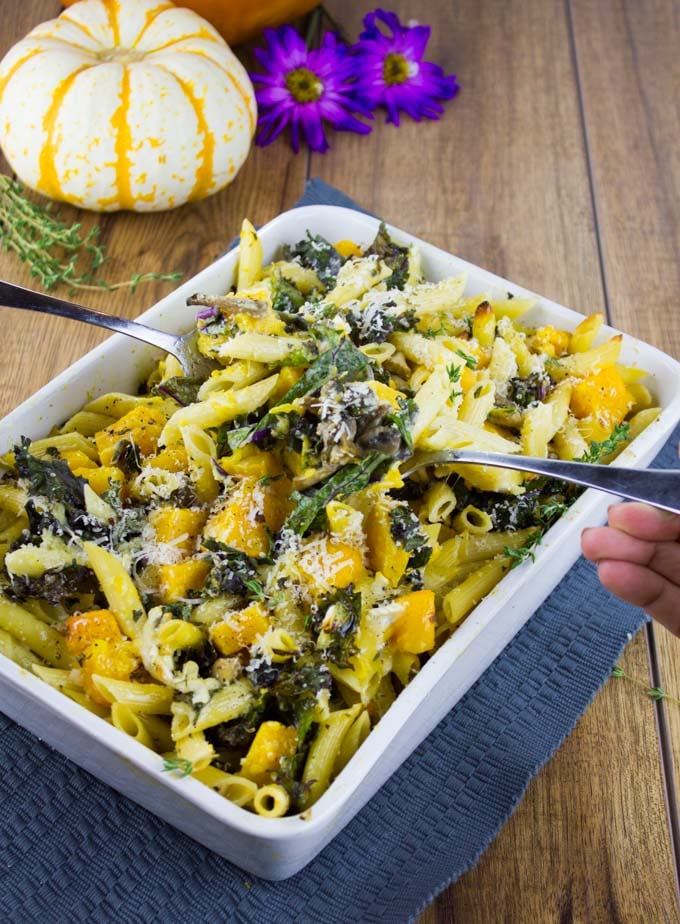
[
  {"x": 658, "y": 487},
  {"x": 17, "y": 297}
]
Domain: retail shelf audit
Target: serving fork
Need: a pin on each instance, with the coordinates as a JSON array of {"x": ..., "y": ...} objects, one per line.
[
  {"x": 658, "y": 487},
  {"x": 183, "y": 347}
]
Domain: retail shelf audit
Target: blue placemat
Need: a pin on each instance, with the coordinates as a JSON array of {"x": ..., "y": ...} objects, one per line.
[{"x": 72, "y": 850}]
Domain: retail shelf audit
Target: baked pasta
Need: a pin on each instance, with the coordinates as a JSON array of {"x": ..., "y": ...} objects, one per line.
[{"x": 233, "y": 572}]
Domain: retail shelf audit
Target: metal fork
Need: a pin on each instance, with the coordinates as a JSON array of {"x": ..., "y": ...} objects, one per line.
[
  {"x": 183, "y": 348},
  {"x": 658, "y": 487}
]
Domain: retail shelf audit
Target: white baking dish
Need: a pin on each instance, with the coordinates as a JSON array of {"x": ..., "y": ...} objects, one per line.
[{"x": 277, "y": 848}]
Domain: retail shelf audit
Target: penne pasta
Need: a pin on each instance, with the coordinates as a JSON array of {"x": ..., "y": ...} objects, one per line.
[{"x": 232, "y": 570}]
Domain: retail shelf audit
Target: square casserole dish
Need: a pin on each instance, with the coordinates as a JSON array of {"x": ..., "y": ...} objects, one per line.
[{"x": 277, "y": 848}]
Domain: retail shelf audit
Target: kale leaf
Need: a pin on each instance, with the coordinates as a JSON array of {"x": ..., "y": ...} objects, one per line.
[
  {"x": 407, "y": 532},
  {"x": 50, "y": 477},
  {"x": 342, "y": 360},
  {"x": 179, "y": 610},
  {"x": 181, "y": 388},
  {"x": 232, "y": 572},
  {"x": 126, "y": 457},
  {"x": 317, "y": 254},
  {"x": 336, "y": 621},
  {"x": 286, "y": 297},
  {"x": 535, "y": 387},
  {"x": 204, "y": 656},
  {"x": 54, "y": 586},
  {"x": 403, "y": 420},
  {"x": 238, "y": 733},
  {"x": 297, "y": 687},
  {"x": 347, "y": 480},
  {"x": 373, "y": 323},
  {"x": 393, "y": 254}
]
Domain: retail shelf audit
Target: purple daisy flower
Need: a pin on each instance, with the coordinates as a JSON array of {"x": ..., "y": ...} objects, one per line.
[
  {"x": 392, "y": 73},
  {"x": 304, "y": 88}
]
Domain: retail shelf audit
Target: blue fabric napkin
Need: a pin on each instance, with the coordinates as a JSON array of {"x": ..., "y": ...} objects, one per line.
[{"x": 72, "y": 850}]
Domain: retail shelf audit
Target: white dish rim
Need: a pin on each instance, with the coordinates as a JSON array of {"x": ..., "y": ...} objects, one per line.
[{"x": 331, "y": 802}]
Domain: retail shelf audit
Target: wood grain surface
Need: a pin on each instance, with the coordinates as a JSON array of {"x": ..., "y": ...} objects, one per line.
[
  {"x": 631, "y": 105},
  {"x": 557, "y": 167}
]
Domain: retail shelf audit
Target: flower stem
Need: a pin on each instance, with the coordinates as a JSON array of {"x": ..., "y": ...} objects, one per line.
[
  {"x": 334, "y": 25},
  {"x": 313, "y": 32}
]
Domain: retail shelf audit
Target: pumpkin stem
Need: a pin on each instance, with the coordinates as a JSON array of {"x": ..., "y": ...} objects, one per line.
[{"x": 120, "y": 55}]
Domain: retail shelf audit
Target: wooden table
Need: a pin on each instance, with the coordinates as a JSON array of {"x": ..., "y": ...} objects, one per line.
[{"x": 557, "y": 167}]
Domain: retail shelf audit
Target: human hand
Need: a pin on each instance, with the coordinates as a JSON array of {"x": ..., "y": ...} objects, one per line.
[{"x": 638, "y": 559}]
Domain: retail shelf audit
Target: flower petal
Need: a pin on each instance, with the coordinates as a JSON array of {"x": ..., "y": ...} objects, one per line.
[
  {"x": 338, "y": 103},
  {"x": 420, "y": 93}
]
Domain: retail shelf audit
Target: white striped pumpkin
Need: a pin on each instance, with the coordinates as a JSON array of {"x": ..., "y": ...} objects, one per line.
[{"x": 125, "y": 104}]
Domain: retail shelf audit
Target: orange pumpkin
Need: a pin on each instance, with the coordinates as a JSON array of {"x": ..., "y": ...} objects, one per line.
[{"x": 241, "y": 20}]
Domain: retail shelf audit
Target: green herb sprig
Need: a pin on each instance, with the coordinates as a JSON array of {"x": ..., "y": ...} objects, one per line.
[
  {"x": 453, "y": 372},
  {"x": 470, "y": 361},
  {"x": 655, "y": 693},
  {"x": 56, "y": 253},
  {"x": 527, "y": 551},
  {"x": 599, "y": 451},
  {"x": 181, "y": 765}
]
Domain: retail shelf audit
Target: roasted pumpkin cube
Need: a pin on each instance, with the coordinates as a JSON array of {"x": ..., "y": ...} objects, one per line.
[
  {"x": 142, "y": 425},
  {"x": 386, "y": 393},
  {"x": 347, "y": 248},
  {"x": 179, "y": 525},
  {"x": 84, "y": 628},
  {"x": 384, "y": 555},
  {"x": 272, "y": 742},
  {"x": 251, "y": 462},
  {"x": 468, "y": 378},
  {"x": 100, "y": 477},
  {"x": 175, "y": 581},
  {"x": 413, "y": 629},
  {"x": 110, "y": 658},
  {"x": 269, "y": 323},
  {"x": 76, "y": 458},
  {"x": 288, "y": 377},
  {"x": 239, "y": 630},
  {"x": 173, "y": 459},
  {"x": 551, "y": 341},
  {"x": 251, "y": 512},
  {"x": 326, "y": 563},
  {"x": 600, "y": 401}
]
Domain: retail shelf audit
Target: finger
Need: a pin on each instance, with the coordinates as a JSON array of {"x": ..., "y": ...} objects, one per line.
[
  {"x": 595, "y": 538},
  {"x": 645, "y": 522},
  {"x": 606, "y": 543},
  {"x": 643, "y": 588}
]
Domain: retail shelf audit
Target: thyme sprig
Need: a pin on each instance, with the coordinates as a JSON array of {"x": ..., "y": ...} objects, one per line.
[
  {"x": 599, "y": 451},
  {"x": 527, "y": 551},
  {"x": 57, "y": 253},
  {"x": 655, "y": 693},
  {"x": 180, "y": 764}
]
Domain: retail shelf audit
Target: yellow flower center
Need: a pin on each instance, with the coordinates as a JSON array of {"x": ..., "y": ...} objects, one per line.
[
  {"x": 303, "y": 85},
  {"x": 396, "y": 69}
]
